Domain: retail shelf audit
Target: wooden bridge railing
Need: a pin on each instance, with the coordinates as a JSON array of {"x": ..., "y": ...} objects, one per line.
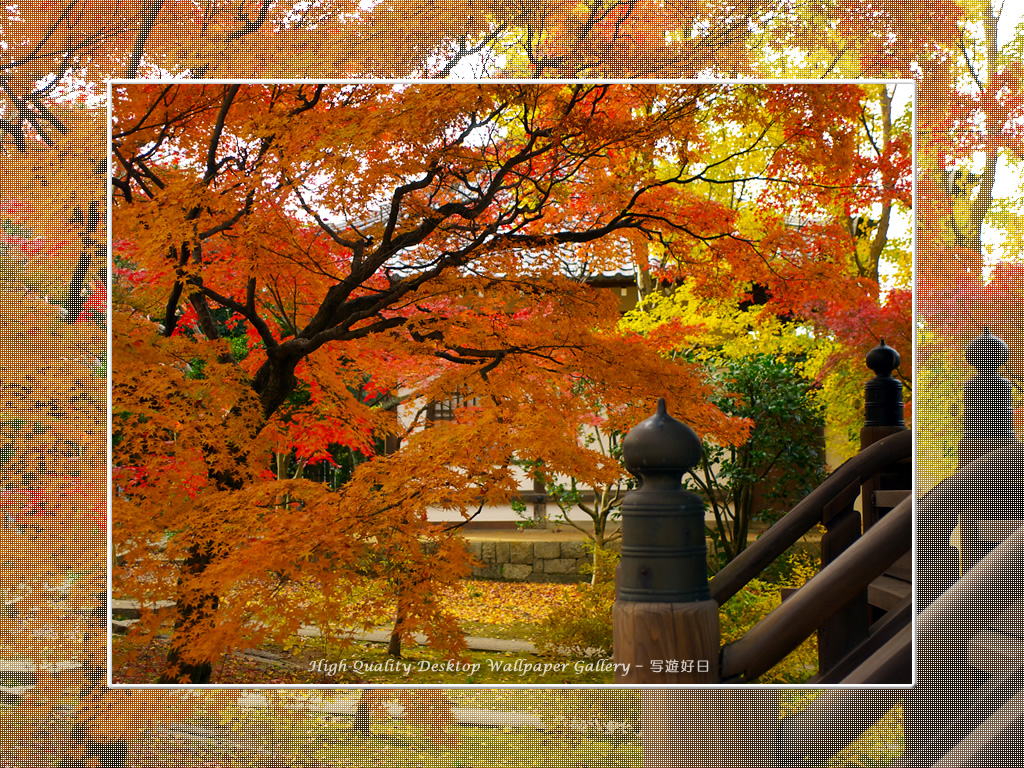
[
  {"x": 965, "y": 709},
  {"x": 821, "y": 598},
  {"x": 668, "y": 611},
  {"x": 944, "y": 628},
  {"x": 795, "y": 524}
]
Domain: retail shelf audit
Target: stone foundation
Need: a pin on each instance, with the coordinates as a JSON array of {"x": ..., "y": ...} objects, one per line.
[
  {"x": 532, "y": 561},
  {"x": 560, "y": 562}
]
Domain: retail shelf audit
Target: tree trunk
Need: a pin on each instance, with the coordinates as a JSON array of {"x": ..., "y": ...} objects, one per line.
[
  {"x": 361, "y": 719},
  {"x": 196, "y": 608},
  {"x": 192, "y": 612},
  {"x": 395, "y": 643},
  {"x": 601, "y": 574}
]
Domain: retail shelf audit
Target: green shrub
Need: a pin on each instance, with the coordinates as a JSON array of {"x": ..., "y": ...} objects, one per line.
[
  {"x": 582, "y": 620},
  {"x": 603, "y": 560},
  {"x": 781, "y": 461},
  {"x": 579, "y": 622},
  {"x": 758, "y": 598}
]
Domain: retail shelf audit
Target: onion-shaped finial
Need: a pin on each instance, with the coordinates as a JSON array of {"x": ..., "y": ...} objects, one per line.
[
  {"x": 883, "y": 359},
  {"x": 660, "y": 445},
  {"x": 987, "y": 352}
]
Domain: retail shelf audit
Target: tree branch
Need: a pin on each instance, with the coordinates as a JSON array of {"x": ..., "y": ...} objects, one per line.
[
  {"x": 212, "y": 166},
  {"x": 145, "y": 28}
]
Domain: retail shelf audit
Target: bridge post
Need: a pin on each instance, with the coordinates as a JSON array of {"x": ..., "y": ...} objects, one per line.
[
  {"x": 883, "y": 416},
  {"x": 664, "y": 622},
  {"x": 664, "y": 612},
  {"x": 988, "y": 410},
  {"x": 988, "y": 425},
  {"x": 959, "y": 502},
  {"x": 709, "y": 727}
]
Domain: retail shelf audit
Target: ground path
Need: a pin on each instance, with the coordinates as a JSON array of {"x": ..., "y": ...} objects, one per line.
[
  {"x": 126, "y": 612},
  {"x": 264, "y": 735}
]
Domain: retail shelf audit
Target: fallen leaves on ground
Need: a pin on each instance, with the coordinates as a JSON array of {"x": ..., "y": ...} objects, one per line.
[
  {"x": 499, "y": 602},
  {"x": 499, "y": 605}
]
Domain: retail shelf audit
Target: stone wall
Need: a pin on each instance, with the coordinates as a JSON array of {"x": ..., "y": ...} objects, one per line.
[
  {"x": 534, "y": 561},
  {"x": 548, "y": 562}
]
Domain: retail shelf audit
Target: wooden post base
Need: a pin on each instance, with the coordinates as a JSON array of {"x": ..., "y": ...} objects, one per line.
[
  {"x": 709, "y": 728},
  {"x": 673, "y": 643}
]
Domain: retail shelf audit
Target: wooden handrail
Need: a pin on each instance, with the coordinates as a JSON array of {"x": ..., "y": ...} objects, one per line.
[
  {"x": 806, "y": 514},
  {"x": 890, "y": 662},
  {"x": 860, "y": 664},
  {"x": 816, "y": 734},
  {"x": 813, "y": 735},
  {"x": 787, "y": 626},
  {"x": 952, "y": 612},
  {"x": 977, "y": 599}
]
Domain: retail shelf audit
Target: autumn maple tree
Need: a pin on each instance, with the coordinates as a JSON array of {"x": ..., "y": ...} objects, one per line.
[
  {"x": 56, "y": 58},
  {"x": 767, "y": 353},
  {"x": 280, "y": 250},
  {"x": 864, "y": 206},
  {"x": 545, "y": 39},
  {"x": 969, "y": 278},
  {"x": 627, "y": 38}
]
